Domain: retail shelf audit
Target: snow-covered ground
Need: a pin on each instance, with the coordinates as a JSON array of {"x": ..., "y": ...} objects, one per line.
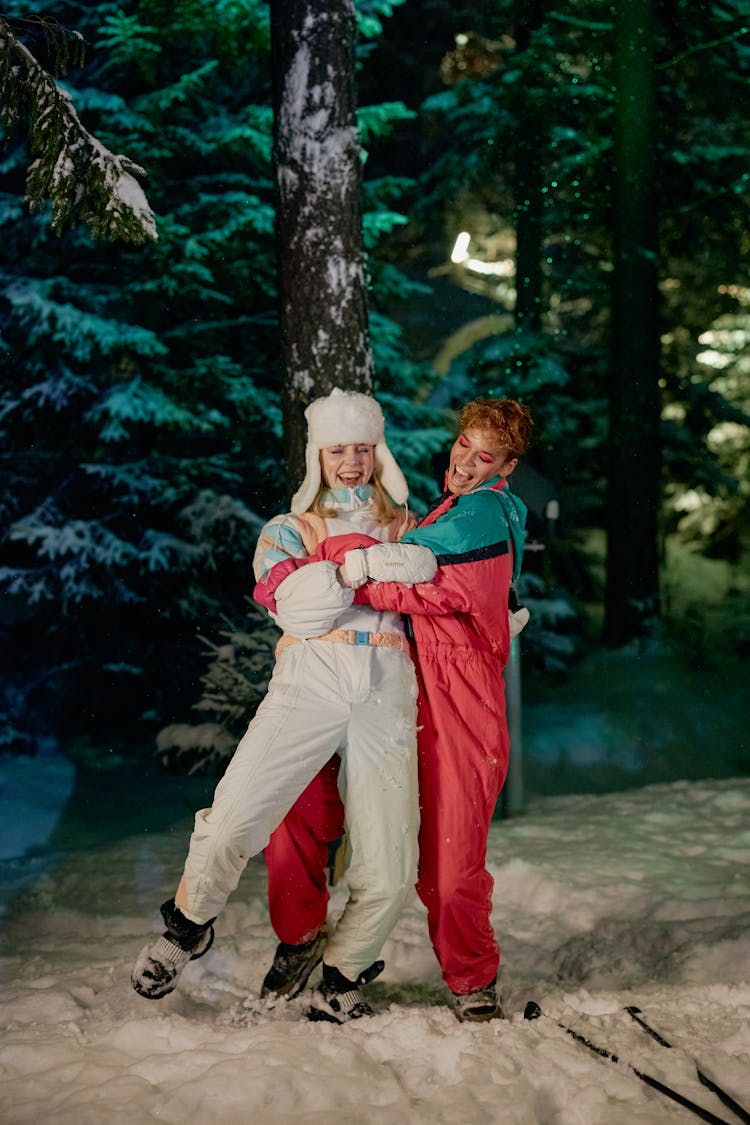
[{"x": 601, "y": 901}]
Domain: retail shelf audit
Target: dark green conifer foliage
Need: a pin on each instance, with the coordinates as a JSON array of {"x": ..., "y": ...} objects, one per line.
[
  {"x": 139, "y": 409},
  {"x": 84, "y": 180},
  {"x": 564, "y": 76},
  {"x": 140, "y": 405}
]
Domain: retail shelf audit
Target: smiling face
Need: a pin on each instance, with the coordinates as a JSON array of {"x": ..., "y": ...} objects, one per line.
[
  {"x": 346, "y": 466},
  {"x": 476, "y": 458}
]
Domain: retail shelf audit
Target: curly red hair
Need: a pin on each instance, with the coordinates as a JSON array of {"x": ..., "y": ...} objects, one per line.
[{"x": 510, "y": 422}]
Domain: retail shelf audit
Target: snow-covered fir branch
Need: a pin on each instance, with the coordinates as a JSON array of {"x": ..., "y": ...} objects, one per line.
[{"x": 83, "y": 179}]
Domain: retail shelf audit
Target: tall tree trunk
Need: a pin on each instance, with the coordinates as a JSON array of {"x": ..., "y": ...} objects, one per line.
[
  {"x": 321, "y": 277},
  {"x": 632, "y": 588},
  {"x": 528, "y": 182}
]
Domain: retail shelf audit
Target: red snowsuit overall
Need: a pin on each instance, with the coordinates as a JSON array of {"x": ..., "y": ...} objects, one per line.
[{"x": 462, "y": 643}]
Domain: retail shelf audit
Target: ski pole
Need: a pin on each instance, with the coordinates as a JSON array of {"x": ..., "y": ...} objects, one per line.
[
  {"x": 709, "y": 1083},
  {"x": 532, "y": 1011}
]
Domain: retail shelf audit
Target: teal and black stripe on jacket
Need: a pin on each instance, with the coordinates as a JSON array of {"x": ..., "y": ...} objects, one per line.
[{"x": 473, "y": 526}]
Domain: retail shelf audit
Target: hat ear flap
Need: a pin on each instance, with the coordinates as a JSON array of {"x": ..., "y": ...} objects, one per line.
[
  {"x": 391, "y": 477},
  {"x": 308, "y": 490}
]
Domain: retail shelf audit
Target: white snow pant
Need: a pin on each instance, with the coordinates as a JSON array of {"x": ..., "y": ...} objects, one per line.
[{"x": 323, "y": 696}]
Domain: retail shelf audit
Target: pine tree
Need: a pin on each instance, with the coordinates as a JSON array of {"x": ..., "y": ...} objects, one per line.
[
  {"x": 323, "y": 302},
  {"x": 139, "y": 405},
  {"x": 140, "y": 410},
  {"x": 82, "y": 178},
  {"x": 562, "y": 74}
]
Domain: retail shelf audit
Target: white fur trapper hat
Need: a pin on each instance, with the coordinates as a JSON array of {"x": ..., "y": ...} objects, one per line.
[{"x": 347, "y": 417}]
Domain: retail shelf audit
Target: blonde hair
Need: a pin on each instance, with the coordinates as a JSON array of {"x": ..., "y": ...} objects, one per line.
[
  {"x": 383, "y": 509},
  {"x": 510, "y": 422}
]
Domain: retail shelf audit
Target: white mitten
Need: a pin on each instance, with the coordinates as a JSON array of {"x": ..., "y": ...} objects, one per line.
[
  {"x": 390, "y": 562},
  {"x": 354, "y": 567},
  {"x": 310, "y": 599},
  {"x": 517, "y": 620}
]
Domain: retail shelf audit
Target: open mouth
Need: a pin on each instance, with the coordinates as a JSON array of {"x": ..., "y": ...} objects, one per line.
[{"x": 460, "y": 476}]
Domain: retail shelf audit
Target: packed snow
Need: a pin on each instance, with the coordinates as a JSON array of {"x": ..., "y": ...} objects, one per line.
[{"x": 637, "y": 898}]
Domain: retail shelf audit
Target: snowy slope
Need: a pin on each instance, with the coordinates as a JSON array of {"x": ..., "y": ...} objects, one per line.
[{"x": 641, "y": 897}]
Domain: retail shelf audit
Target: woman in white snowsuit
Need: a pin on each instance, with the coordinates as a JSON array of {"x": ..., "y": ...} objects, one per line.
[{"x": 352, "y": 690}]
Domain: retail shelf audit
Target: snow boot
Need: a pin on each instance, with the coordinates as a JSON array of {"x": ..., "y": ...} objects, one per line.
[
  {"x": 476, "y": 1007},
  {"x": 292, "y": 965},
  {"x": 339, "y": 999},
  {"x": 159, "y": 964}
]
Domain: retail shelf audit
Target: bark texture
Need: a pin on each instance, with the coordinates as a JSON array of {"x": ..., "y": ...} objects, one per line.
[{"x": 317, "y": 164}]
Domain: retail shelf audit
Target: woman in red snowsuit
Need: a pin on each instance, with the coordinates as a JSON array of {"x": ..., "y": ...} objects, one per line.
[{"x": 462, "y": 642}]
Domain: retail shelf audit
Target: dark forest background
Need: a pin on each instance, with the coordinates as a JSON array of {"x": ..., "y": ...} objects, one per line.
[{"x": 595, "y": 155}]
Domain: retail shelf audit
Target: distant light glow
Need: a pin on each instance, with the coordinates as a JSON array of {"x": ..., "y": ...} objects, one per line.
[
  {"x": 460, "y": 256},
  {"x": 714, "y": 359},
  {"x": 506, "y": 268},
  {"x": 738, "y": 291},
  {"x": 461, "y": 247},
  {"x": 726, "y": 432},
  {"x": 690, "y": 501},
  {"x": 736, "y": 338}
]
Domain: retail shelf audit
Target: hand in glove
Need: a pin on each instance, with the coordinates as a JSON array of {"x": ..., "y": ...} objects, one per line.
[
  {"x": 518, "y": 615},
  {"x": 517, "y": 620},
  {"x": 389, "y": 562}
]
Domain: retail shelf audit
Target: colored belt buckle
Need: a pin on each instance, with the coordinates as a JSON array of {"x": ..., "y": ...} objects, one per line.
[{"x": 359, "y": 638}]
